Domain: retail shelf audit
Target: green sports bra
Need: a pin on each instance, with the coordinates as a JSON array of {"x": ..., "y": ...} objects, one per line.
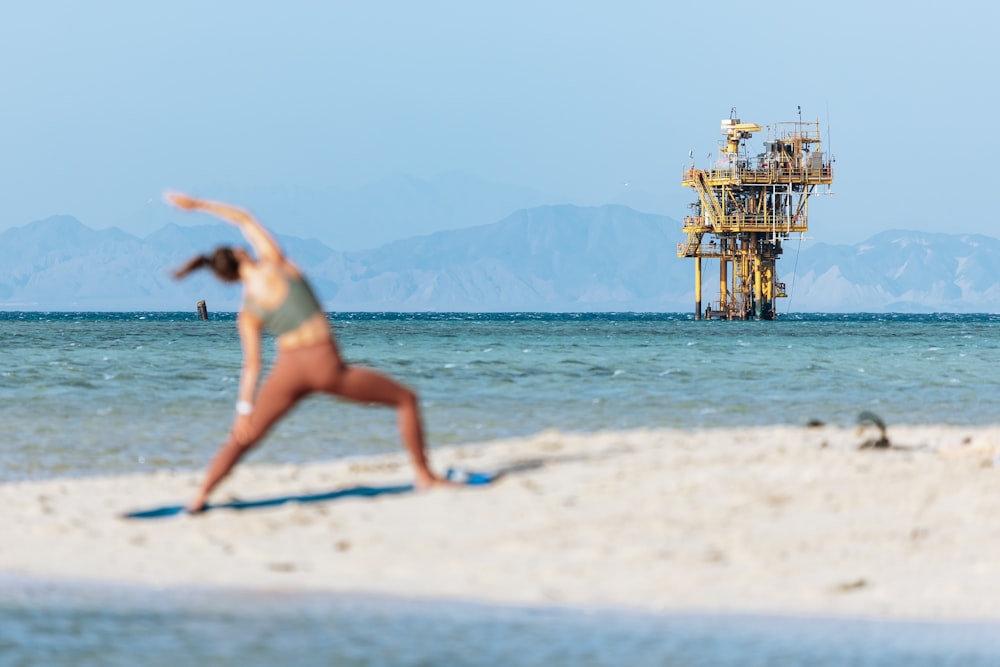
[{"x": 299, "y": 305}]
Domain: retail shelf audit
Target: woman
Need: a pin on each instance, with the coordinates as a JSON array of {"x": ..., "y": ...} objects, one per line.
[{"x": 277, "y": 297}]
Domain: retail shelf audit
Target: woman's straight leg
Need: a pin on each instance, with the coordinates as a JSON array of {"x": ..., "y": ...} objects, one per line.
[{"x": 280, "y": 391}]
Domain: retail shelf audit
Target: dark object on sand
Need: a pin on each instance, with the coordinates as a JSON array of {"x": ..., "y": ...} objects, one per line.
[{"x": 870, "y": 418}]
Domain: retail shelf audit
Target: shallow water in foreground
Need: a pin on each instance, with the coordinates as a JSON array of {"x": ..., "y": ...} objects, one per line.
[{"x": 110, "y": 626}]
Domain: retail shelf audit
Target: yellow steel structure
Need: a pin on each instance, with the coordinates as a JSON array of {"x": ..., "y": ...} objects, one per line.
[{"x": 747, "y": 205}]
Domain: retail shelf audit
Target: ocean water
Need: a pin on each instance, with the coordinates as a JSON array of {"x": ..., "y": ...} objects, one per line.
[
  {"x": 91, "y": 393},
  {"x": 100, "y": 393},
  {"x": 111, "y": 627}
]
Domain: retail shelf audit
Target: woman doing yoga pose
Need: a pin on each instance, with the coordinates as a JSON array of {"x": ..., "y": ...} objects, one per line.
[{"x": 276, "y": 297}]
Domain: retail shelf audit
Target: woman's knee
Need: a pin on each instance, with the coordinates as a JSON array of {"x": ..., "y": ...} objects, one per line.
[
  {"x": 401, "y": 396},
  {"x": 408, "y": 399},
  {"x": 245, "y": 441}
]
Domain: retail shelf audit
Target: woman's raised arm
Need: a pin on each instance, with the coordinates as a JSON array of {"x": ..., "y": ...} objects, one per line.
[{"x": 258, "y": 236}]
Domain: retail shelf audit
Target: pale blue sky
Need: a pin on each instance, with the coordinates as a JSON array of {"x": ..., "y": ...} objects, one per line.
[{"x": 106, "y": 103}]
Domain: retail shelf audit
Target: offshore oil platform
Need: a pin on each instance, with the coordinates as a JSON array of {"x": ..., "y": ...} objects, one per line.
[{"x": 747, "y": 206}]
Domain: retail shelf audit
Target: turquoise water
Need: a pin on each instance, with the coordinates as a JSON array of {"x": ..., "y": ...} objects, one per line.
[
  {"x": 86, "y": 393},
  {"x": 97, "y": 393}
]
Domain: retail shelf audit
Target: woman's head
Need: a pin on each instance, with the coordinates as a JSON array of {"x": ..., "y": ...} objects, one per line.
[{"x": 224, "y": 262}]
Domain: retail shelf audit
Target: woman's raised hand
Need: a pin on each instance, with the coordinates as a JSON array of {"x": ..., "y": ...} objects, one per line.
[{"x": 181, "y": 200}]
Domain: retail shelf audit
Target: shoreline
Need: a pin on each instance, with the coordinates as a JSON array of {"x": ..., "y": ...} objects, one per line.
[
  {"x": 112, "y": 595},
  {"x": 760, "y": 521}
]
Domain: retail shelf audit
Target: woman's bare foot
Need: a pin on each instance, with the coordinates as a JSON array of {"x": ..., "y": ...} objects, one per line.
[
  {"x": 197, "y": 505},
  {"x": 428, "y": 480}
]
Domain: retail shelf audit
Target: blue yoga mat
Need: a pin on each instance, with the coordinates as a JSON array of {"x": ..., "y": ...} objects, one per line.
[{"x": 458, "y": 476}]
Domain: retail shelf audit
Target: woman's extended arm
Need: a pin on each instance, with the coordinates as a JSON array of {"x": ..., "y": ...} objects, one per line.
[
  {"x": 261, "y": 240},
  {"x": 249, "y": 327}
]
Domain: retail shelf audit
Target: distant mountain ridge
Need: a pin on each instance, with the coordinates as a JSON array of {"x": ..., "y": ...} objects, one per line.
[
  {"x": 549, "y": 258},
  {"x": 394, "y": 207},
  {"x": 902, "y": 271},
  {"x": 399, "y": 205}
]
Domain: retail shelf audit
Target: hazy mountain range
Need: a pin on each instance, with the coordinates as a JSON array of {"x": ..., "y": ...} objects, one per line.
[
  {"x": 395, "y": 207},
  {"x": 546, "y": 258}
]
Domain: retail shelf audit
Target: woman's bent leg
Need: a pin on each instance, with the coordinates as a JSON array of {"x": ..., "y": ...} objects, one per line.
[{"x": 367, "y": 386}]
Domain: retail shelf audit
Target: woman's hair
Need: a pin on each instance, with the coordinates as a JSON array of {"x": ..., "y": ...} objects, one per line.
[{"x": 222, "y": 261}]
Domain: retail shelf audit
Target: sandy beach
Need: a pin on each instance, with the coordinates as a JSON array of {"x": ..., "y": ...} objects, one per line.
[{"x": 783, "y": 520}]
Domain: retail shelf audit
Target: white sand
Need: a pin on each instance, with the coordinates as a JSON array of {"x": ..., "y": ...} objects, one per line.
[{"x": 788, "y": 520}]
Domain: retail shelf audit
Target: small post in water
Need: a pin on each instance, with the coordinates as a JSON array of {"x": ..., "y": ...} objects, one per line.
[{"x": 202, "y": 310}]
